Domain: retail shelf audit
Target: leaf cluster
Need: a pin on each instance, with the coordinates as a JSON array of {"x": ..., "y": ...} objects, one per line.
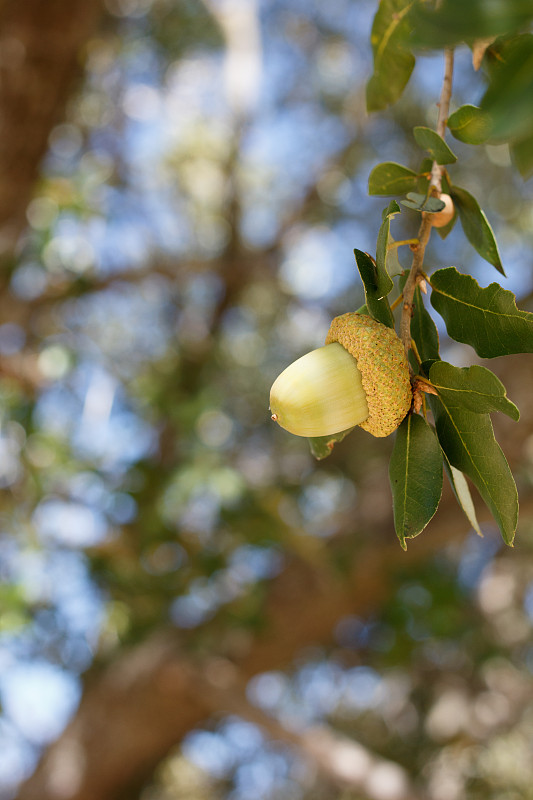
[{"x": 453, "y": 433}]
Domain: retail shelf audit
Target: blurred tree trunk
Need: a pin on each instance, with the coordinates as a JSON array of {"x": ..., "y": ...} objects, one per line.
[
  {"x": 40, "y": 46},
  {"x": 143, "y": 704}
]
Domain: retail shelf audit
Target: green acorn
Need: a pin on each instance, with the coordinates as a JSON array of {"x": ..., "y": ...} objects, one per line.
[{"x": 360, "y": 377}]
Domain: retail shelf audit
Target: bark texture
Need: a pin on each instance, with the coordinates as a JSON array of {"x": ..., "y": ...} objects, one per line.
[{"x": 40, "y": 58}]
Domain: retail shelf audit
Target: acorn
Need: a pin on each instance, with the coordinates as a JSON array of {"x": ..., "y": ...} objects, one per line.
[
  {"x": 441, "y": 218},
  {"x": 360, "y": 377}
]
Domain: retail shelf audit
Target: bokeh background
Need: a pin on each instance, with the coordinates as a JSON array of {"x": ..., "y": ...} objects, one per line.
[{"x": 191, "y": 606}]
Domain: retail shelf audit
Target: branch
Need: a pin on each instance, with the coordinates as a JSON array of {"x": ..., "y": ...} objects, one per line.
[{"x": 435, "y": 188}]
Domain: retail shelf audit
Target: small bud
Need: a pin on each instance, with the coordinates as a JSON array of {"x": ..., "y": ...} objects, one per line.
[{"x": 319, "y": 394}]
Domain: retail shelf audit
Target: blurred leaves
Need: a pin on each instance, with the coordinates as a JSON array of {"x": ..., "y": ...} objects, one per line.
[
  {"x": 454, "y": 21},
  {"x": 393, "y": 61}
]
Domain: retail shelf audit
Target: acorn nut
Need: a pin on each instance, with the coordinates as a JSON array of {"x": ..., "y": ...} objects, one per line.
[
  {"x": 441, "y": 218},
  {"x": 360, "y": 377}
]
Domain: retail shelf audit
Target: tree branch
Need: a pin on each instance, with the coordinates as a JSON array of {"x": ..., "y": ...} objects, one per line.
[{"x": 435, "y": 188}]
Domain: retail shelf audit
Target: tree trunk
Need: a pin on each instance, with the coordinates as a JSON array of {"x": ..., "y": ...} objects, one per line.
[{"x": 40, "y": 57}]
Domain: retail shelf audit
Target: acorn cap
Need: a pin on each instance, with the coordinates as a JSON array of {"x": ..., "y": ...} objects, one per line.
[{"x": 383, "y": 365}]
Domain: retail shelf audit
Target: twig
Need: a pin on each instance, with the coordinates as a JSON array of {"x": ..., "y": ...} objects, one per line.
[{"x": 435, "y": 188}]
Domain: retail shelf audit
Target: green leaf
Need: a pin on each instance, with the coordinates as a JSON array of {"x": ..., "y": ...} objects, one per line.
[
  {"x": 392, "y": 209},
  {"x": 384, "y": 282},
  {"x": 461, "y": 491},
  {"x": 376, "y": 302},
  {"x": 393, "y": 60},
  {"x": 390, "y": 178},
  {"x": 457, "y": 21},
  {"x": 522, "y": 155},
  {"x": 468, "y": 441},
  {"x": 470, "y": 124},
  {"x": 508, "y": 99},
  {"x": 423, "y": 330},
  {"x": 392, "y": 262},
  {"x": 415, "y": 474},
  {"x": 475, "y": 388},
  {"x": 476, "y": 227},
  {"x": 430, "y": 140},
  {"x": 421, "y": 202},
  {"x": 322, "y": 446},
  {"x": 485, "y": 318}
]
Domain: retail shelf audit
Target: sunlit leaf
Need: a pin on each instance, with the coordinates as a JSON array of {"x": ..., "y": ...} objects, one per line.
[
  {"x": 485, "y": 318},
  {"x": 415, "y": 474}
]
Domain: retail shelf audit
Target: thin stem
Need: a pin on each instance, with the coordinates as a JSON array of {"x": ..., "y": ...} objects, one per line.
[
  {"x": 392, "y": 245},
  {"x": 435, "y": 187},
  {"x": 396, "y": 302},
  {"x": 444, "y": 110}
]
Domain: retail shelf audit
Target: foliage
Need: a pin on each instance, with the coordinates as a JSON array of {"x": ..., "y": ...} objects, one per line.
[
  {"x": 487, "y": 319},
  {"x": 185, "y": 242}
]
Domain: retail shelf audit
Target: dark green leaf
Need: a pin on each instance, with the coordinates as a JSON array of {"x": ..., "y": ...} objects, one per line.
[
  {"x": 522, "y": 155},
  {"x": 468, "y": 441},
  {"x": 509, "y": 96},
  {"x": 390, "y": 178},
  {"x": 377, "y": 303},
  {"x": 423, "y": 330},
  {"x": 456, "y": 21},
  {"x": 322, "y": 446},
  {"x": 475, "y": 388},
  {"x": 420, "y": 202},
  {"x": 485, "y": 318},
  {"x": 461, "y": 491},
  {"x": 393, "y": 60},
  {"x": 430, "y": 140},
  {"x": 476, "y": 227},
  {"x": 415, "y": 474}
]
